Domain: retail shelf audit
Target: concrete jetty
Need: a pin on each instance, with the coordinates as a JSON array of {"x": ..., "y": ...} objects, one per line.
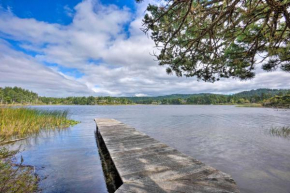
[{"x": 146, "y": 165}]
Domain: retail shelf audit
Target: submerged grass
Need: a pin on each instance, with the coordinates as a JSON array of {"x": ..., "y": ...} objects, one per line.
[
  {"x": 19, "y": 123},
  {"x": 15, "y": 177},
  {"x": 281, "y": 131}
]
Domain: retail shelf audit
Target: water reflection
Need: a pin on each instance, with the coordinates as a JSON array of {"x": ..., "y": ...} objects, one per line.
[{"x": 35, "y": 139}]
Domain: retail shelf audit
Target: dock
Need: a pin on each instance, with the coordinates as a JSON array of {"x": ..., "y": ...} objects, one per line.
[{"x": 145, "y": 165}]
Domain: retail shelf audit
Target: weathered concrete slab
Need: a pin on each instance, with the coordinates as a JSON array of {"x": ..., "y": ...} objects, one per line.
[{"x": 147, "y": 165}]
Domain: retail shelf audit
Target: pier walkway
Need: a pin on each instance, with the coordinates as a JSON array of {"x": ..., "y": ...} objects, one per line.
[{"x": 146, "y": 165}]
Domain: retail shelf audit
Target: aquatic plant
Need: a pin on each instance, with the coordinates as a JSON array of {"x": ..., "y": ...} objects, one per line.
[
  {"x": 280, "y": 131},
  {"x": 15, "y": 177},
  {"x": 20, "y": 123}
]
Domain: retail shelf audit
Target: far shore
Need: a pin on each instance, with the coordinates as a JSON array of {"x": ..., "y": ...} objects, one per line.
[{"x": 249, "y": 105}]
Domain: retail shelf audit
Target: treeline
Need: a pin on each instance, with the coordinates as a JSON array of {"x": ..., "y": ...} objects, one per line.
[
  {"x": 253, "y": 96},
  {"x": 86, "y": 100},
  {"x": 17, "y": 95},
  {"x": 278, "y": 102},
  {"x": 9, "y": 95},
  {"x": 268, "y": 97}
]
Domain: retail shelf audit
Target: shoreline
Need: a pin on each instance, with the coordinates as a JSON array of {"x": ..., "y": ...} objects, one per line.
[{"x": 246, "y": 105}]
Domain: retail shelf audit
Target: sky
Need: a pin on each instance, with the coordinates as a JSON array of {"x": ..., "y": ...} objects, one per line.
[{"x": 95, "y": 48}]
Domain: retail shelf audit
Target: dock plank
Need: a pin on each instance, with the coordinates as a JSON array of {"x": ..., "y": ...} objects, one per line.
[{"x": 147, "y": 165}]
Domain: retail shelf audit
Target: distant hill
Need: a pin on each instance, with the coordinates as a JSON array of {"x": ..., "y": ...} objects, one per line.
[
  {"x": 263, "y": 91},
  {"x": 252, "y": 96}
]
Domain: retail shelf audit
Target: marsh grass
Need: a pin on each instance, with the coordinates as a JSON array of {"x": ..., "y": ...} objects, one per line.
[
  {"x": 250, "y": 105},
  {"x": 280, "y": 131},
  {"x": 17, "y": 124},
  {"x": 20, "y": 123}
]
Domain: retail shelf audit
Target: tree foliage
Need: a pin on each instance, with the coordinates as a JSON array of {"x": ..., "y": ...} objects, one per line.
[
  {"x": 17, "y": 95},
  {"x": 252, "y": 96},
  {"x": 278, "y": 102},
  {"x": 13, "y": 95},
  {"x": 213, "y": 39}
]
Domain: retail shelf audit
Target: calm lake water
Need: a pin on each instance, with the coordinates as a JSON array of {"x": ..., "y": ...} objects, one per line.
[{"x": 232, "y": 139}]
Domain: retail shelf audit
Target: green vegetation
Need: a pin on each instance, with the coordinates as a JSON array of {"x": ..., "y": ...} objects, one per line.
[
  {"x": 15, "y": 177},
  {"x": 278, "y": 102},
  {"x": 246, "y": 98},
  {"x": 16, "y": 95},
  {"x": 9, "y": 95},
  {"x": 253, "y": 98},
  {"x": 85, "y": 100},
  {"x": 18, "y": 123},
  {"x": 280, "y": 132},
  {"x": 218, "y": 39},
  {"x": 250, "y": 105}
]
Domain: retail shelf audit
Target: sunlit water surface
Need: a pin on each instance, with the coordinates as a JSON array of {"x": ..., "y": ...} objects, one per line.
[{"x": 234, "y": 140}]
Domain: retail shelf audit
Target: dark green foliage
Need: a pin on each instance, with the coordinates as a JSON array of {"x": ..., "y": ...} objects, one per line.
[
  {"x": 218, "y": 39},
  {"x": 13, "y": 95},
  {"x": 86, "y": 100}
]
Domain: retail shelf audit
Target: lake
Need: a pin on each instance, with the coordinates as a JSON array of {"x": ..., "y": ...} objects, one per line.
[{"x": 232, "y": 139}]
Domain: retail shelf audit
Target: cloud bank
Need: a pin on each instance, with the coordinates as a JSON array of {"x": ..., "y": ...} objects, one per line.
[{"x": 101, "y": 52}]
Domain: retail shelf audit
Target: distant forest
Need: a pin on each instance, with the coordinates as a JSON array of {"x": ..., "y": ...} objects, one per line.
[{"x": 267, "y": 97}]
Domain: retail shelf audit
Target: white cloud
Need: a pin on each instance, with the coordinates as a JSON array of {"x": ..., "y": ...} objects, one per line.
[
  {"x": 23, "y": 70},
  {"x": 141, "y": 95},
  {"x": 68, "y": 11},
  {"x": 114, "y": 60}
]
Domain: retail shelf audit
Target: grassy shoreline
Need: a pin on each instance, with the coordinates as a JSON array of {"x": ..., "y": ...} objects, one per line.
[
  {"x": 17, "y": 124},
  {"x": 251, "y": 105}
]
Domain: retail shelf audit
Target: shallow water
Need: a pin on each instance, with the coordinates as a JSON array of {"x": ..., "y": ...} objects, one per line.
[{"x": 232, "y": 139}]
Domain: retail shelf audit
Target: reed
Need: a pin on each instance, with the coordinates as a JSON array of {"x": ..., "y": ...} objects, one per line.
[
  {"x": 281, "y": 131},
  {"x": 19, "y": 123}
]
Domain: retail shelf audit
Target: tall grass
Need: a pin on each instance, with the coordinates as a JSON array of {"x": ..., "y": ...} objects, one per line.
[
  {"x": 281, "y": 131},
  {"x": 18, "y": 123}
]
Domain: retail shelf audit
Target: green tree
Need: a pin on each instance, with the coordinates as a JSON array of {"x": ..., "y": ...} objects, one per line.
[
  {"x": 91, "y": 100},
  {"x": 220, "y": 38}
]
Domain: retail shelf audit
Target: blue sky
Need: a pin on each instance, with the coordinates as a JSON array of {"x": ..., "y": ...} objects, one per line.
[
  {"x": 94, "y": 47},
  {"x": 54, "y": 11}
]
